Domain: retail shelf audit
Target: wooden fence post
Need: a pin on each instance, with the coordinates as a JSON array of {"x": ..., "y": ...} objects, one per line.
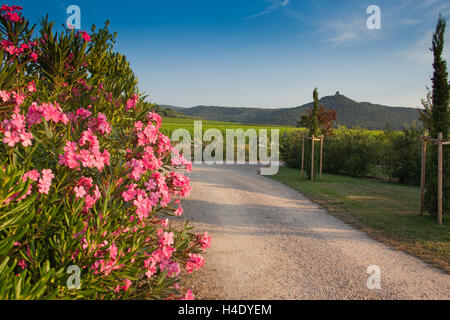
[
  {"x": 422, "y": 178},
  {"x": 303, "y": 155},
  {"x": 312, "y": 158},
  {"x": 321, "y": 154},
  {"x": 440, "y": 177}
]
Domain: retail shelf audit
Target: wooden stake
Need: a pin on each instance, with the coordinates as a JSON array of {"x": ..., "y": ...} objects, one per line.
[
  {"x": 422, "y": 178},
  {"x": 303, "y": 155},
  {"x": 440, "y": 178},
  {"x": 312, "y": 158},
  {"x": 321, "y": 154}
]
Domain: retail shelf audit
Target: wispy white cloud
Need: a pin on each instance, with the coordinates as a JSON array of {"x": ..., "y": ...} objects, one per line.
[
  {"x": 444, "y": 9},
  {"x": 346, "y": 31},
  {"x": 409, "y": 22},
  {"x": 420, "y": 52},
  {"x": 344, "y": 37},
  {"x": 427, "y": 3},
  {"x": 275, "y": 4}
]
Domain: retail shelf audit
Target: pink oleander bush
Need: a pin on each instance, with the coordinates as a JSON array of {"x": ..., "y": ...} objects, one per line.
[{"x": 86, "y": 176}]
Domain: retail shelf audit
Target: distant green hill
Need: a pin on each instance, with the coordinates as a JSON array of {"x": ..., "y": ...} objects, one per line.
[
  {"x": 349, "y": 112},
  {"x": 169, "y": 111}
]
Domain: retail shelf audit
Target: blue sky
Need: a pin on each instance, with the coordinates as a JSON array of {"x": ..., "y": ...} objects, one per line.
[{"x": 267, "y": 53}]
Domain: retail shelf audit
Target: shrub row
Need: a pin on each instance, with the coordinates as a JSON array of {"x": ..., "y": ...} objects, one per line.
[{"x": 356, "y": 152}]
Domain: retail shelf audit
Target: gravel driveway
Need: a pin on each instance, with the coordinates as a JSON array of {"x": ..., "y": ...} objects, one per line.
[{"x": 270, "y": 242}]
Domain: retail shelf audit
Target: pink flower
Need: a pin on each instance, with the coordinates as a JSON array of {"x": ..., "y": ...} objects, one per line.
[
  {"x": 34, "y": 114},
  {"x": 150, "y": 185},
  {"x": 129, "y": 194},
  {"x": 33, "y": 175},
  {"x": 138, "y": 125},
  {"x": 11, "y": 49},
  {"x": 86, "y": 37},
  {"x": 100, "y": 124},
  {"x": 26, "y": 138},
  {"x": 79, "y": 192},
  {"x": 204, "y": 240},
  {"x": 173, "y": 269},
  {"x": 11, "y": 138},
  {"x": 85, "y": 182},
  {"x": 31, "y": 87},
  {"x": 4, "y": 95},
  {"x": 143, "y": 205},
  {"x": 179, "y": 212},
  {"x": 22, "y": 263},
  {"x": 113, "y": 252},
  {"x": 50, "y": 112},
  {"x": 180, "y": 161},
  {"x": 131, "y": 103},
  {"x": 83, "y": 113},
  {"x": 45, "y": 181},
  {"x": 127, "y": 285},
  {"x": 153, "y": 116},
  {"x": 166, "y": 239},
  {"x": 195, "y": 262},
  {"x": 165, "y": 223},
  {"x": 167, "y": 252},
  {"x": 150, "y": 264},
  {"x": 15, "y": 130},
  {"x": 19, "y": 98},
  {"x": 188, "y": 295}
]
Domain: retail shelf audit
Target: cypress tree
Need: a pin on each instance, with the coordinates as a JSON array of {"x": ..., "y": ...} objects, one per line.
[
  {"x": 314, "y": 129},
  {"x": 311, "y": 121},
  {"x": 438, "y": 122}
]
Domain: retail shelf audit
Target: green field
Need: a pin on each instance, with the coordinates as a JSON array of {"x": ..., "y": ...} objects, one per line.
[
  {"x": 171, "y": 124},
  {"x": 386, "y": 211}
]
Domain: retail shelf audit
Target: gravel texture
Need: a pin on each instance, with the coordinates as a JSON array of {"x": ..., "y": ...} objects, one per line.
[{"x": 271, "y": 242}]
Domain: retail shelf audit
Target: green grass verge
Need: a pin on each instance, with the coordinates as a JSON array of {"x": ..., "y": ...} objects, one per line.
[{"x": 386, "y": 211}]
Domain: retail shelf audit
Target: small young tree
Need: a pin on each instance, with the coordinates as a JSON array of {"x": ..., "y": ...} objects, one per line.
[
  {"x": 318, "y": 121},
  {"x": 435, "y": 117}
]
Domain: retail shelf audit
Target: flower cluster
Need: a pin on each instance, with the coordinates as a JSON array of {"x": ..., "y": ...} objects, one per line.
[
  {"x": 45, "y": 181},
  {"x": 11, "y": 13},
  {"x": 162, "y": 257},
  {"x": 28, "y": 49},
  {"x": 131, "y": 103},
  {"x": 86, "y": 37},
  {"x": 195, "y": 262},
  {"x": 90, "y": 157},
  {"x": 15, "y": 131},
  {"x": 46, "y": 111},
  {"x": 86, "y": 190},
  {"x": 204, "y": 240},
  {"x": 93, "y": 185}
]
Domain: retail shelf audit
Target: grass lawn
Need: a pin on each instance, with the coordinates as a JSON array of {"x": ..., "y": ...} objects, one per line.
[{"x": 386, "y": 211}]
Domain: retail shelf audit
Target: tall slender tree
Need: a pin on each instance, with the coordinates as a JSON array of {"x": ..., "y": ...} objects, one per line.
[
  {"x": 436, "y": 119},
  {"x": 312, "y": 122},
  {"x": 314, "y": 129}
]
